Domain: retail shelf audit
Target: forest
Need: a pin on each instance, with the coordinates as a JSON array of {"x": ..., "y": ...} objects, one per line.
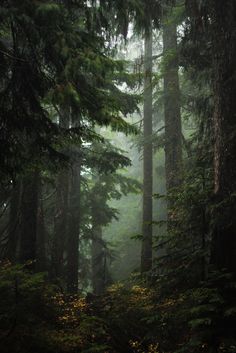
[{"x": 117, "y": 176}]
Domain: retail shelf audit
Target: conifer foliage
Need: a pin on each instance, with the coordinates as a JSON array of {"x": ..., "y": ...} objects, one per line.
[{"x": 82, "y": 83}]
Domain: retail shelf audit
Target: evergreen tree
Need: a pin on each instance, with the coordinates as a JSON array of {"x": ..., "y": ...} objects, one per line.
[
  {"x": 173, "y": 131},
  {"x": 73, "y": 233},
  {"x": 146, "y": 257},
  {"x": 14, "y": 221},
  {"x": 29, "y": 216}
]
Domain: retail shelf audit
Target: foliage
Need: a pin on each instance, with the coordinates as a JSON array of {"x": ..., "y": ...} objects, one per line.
[
  {"x": 69, "y": 69},
  {"x": 59, "y": 84},
  {"x": 35, "y": 316}
]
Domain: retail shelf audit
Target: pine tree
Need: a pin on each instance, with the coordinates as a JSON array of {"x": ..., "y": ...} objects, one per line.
[
  {"x": 146, "y": 256},
  {"x": 41, "y": 259},
  {"x": 29, "y": 213},
  {"x": 73, "y": 233},
  {"x": 172, "y": 115},
  {"x": 14, "y": 221},
  {"x": 224, "y": 127}
]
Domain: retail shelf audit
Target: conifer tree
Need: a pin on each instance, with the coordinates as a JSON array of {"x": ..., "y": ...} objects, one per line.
[
  {"x": 146, "y": 256},
  {"x": 224, "y": 127},
  {"x": 29, "y": 214},
  {"x": 14, "y": 221},
  {"x": 73, "y": 232},
  {"x": 172, "y": 114},
  {"x": 41, "y": 239}
]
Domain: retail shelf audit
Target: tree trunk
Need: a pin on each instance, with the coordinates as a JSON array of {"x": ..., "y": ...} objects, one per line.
[
  {"x": 146, "y": 254},
  {"x": 74, "y": 230},
  {"x": 60, "y": 223},
  {"x": 29, "y": 210},
  {"x": 173, "y": 130},
  {"x": 14, "y": 222},
  {"x": 41, "y": 262},
  {"x": 98, "y": 265},
  {"x": 61, "y": 212},
  {"x": 224, "y": 124}
]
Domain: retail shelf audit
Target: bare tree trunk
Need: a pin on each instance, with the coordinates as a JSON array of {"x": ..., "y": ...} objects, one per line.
[
  {"x": 224, "y": 124},
  {"x": 60, "y": 223},
  {"x": 74, "y": 230},
  {"x": 98, "y": 265},
  {"x": 173, "y": 129},
  {"x": 146, "y": 254},
  {"x": 29, "y": 210},
  {"x": 14, "y": 222},
  {"x": 97, "y": 246},
  {"x": 61, "y": 212},
  {"x": 41, "y": 263}
]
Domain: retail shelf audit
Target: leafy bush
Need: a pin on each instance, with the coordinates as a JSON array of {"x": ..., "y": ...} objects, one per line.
[{"x": 36, "y": 317}]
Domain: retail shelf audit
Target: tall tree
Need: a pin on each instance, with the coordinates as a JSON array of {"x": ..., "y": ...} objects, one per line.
[
  {"x": 146, "y": 254},
  {"x": 98, "y": 269},
  {"x": 172, "y": 115},
  {"x": 223, "y": 30},
  {"x": 73, "y": 232},
  {"x": 61, "y": 209},
  {"x": 14, "y": 221},
  {"x": 41, "y": 260},
  {"x": 29, "y": 213},
  {"x": 216, "y": 21},
  {"x": 106, "y": 184}
]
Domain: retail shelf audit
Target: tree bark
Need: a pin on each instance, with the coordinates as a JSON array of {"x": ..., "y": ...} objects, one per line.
[
  {"x": 146, "y": 252},
  {"x": 173, "y": 129},
  {"x": 61, "y": 211},
  {"x": 41, "y": 260},
  {"x": 60, "y": 223},
  {"x": 29, "y": 210},
  {"x": 224, "y": 126},
  {"x": 74, "y": 230},
  {"x": 14, "y": 222},
  {"x": 98, "y": 265}
]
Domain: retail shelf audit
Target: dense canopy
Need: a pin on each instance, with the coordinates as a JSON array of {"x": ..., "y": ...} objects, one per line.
[{"x": 117, "y": 176}]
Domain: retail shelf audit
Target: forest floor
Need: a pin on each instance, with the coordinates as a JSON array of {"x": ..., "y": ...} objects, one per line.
[{"x": 37, "y": 317}]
